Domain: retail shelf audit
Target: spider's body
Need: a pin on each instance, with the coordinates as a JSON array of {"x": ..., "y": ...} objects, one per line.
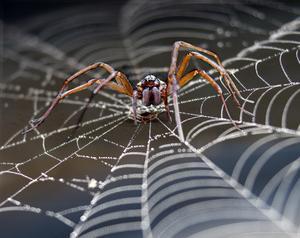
[{"x": 152, "y": 91}]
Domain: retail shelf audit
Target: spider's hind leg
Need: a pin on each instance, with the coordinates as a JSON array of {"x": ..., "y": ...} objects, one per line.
[
  {"x": 232, "y": 89},
  {"x": 215, "y": 86},
  {"x": 166, "y": 103}
]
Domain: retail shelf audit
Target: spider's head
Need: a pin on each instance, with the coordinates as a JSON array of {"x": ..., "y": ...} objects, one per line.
[
  {"x": 150, "y": 88},
  {"x": 150, "y": 81}
]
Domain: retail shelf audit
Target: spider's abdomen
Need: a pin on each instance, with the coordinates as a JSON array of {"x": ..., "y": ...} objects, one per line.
[
  {"x": 150, "y": 90},
  {"x": 151, "y": 96}
]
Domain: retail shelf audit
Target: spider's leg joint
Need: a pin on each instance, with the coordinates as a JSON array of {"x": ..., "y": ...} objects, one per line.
[{"x": 178, "y": 43}]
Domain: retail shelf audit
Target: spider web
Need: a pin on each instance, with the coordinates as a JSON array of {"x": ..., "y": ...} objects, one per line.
[{"x": 110, "y": 178}]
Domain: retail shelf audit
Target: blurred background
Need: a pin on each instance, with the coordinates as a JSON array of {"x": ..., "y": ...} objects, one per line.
[{"x": 111, "y": 178}]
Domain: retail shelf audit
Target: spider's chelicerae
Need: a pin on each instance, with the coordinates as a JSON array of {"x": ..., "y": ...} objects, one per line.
[{"x": 152, "y": 91}]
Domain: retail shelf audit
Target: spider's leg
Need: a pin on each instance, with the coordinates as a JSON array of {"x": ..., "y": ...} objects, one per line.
[
  {"x": 62, "y": 93},
  {"x": 134, "y": 104},
  {"x": 233, "y": 90},
  {"x": 104, "y": 82},
  {"x": 212, "y": 82},
  {"x": 122, "y": 86},
  {"x": 85, "y": 109},
  {"x": 223, "y": 73},
  {"x": 181, "y": 44},
  {"x": 183, "y": 66},
  {"x": 188, "y": 46},
  {"x": 220, "y": 68},
  {"x": 165, "y": 99},
  {"x": 175, "y": 74},
  {"x": 124, "y": 82},
  {"x": 176, "y": 109},
  {"x": 99, "y": 65},
  {"x": 35, "y": 123}
]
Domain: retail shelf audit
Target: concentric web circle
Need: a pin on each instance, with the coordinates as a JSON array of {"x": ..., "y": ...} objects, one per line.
[{"x": 110, "y": 178}]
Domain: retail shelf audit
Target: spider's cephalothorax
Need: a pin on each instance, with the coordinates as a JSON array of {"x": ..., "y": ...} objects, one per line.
[{"x": 151, "y": 90}]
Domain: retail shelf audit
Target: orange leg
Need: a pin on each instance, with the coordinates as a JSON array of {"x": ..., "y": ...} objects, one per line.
[
  {"x": 122, "y": 86},
  {"x": 189, "y": 76},
  {"x": 231, "y": 87},
  {"x": 175, "y": 76},
  {"x": 107, "y": 67},
  {"x": 181, "y": 44}
]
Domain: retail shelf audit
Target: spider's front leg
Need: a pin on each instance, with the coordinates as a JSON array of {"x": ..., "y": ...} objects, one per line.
[
  {"x": 197, "y": 52},
  {"x": 122, "y": 86},
  {"x": 212, "y": 82},
  {"x": 231, "y": 87},
  {"x": 175, "y": 77},
  {"x": 61, "y": 95}
]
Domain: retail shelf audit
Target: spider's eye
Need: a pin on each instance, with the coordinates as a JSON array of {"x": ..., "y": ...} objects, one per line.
[
  {"x": 150, "y": 81},
  {"x": 150, "y": 78},
  {"x": 157, "y": 83},
  {"x": 143, "y": 83}
]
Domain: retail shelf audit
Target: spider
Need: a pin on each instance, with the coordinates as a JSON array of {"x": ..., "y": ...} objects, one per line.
[{"x": 151, "y": 90}]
